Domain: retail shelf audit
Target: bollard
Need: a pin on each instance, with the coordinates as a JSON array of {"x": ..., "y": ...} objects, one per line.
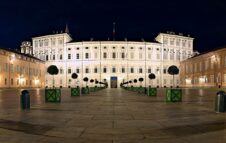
[
  {"x": 25, "y": 100},
  {"x": 220, "y": 102}
]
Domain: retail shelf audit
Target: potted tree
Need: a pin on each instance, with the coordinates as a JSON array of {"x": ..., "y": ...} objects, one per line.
[
  {"x": 135, "y": 88},
  {"x": 52, "y": 94},
  {"x": 173, "y": 94},
  {"x": 152, "y": 91},
  {"x": 75, "y": 91},
  {"x": 141, "y": 89},
  {"x": 131, "y": 87},
  {"x": 92, "y": 89},
  {"x": 85, "y": 90}
]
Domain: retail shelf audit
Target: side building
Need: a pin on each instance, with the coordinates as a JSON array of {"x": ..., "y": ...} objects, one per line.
[
  {"x": 112, "y": 61},
  {"x": 205, "y": 70},
  {"x": 18, "y": 70}
]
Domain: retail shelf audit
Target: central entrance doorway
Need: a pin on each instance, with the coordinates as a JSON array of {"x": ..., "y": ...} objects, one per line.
[{"x": 114, "y": 80}]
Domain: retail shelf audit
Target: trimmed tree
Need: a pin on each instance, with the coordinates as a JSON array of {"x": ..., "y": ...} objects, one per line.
[
  {"x": 151, "y": 76},
  {"x": 173, "y": 70},
  {"x": 74, "y": 76},
  {"x": 53, "y": 70},
  {"x": 86, "y": 79},
  {"x": 152, "y": 91},
  {"x": 141, "y": 80}
]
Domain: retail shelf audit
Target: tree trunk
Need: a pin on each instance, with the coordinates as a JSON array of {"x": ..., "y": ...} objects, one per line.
[{"x": 173, "y": 80}]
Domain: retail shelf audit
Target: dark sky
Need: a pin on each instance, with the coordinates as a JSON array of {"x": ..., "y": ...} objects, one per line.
[{"x": 205, "y": 20}]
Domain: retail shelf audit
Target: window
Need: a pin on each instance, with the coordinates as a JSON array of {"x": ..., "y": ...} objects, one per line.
[
  {"x": 113, "y": 55},
  {"x": 69, "y": 49},
  {"x": 77, "y": 56},
  {"x": 46, "y": 42},
  {"x": 149, "y": 55},
  {"x": 77, "y": 70},
  {"x": 53, "y": 57},
  {"x": 69, "y": 56},
  {"x": 178, "y": 42},
  {"x": 60, "y": 41},
  {"x": 95, "y": 55},
  {"x": 11, "y": 81},
  {"x": 158, "y": 56},
  {"x": 178, "y": 55},
  {"x": 5, "y": 81},
  {"x": 149, "y": 70},
  {"x": 105, "y": 70},
  {"x": 87, "y": 70},
  {"x": 105, "y": 47},
  {"x": 171, "y": 54},
  {"x": 113, "y": 70},
  {"x": 53, "y": 42},
  {"x": 95, "y": 47},
  {"x": 131, "y": 55},
  {"x": 131, "y": 70},
  {"x": 95, "y": 70},
  {"x": 123, "y": 70},
  {"x": 171, "y": 41},
  {"x": 105, "y": 55},
  {"x": 123, "y": 55},
  {"x": 157, "y": 70},
  {"x": 131, "y": 47},
  {"x": 140, "y": 70},
  {"x": 47, "y": 57},
  {"x": 87, "y": 55},
  {"x": 61, "y": 71},
  {"x": 61, "y": 57},
  {"x": 165, "y": 71},
  {"x": 224, "y": 61},
  {"x": 165, "y": 41},
  {"x": 69, "y": 70},
  {"x": 123, "y": 47},
  {"x": 113, "y": 47},
  {"x": 87, "y": 47},
  {"x": 140, "y": 55}
]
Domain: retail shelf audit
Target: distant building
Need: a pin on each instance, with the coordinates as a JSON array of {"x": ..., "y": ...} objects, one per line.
[
  {"x": 204, "y": 70},
  {"x": 112, "y": 61},
  {"x": 20, "y": 70}
]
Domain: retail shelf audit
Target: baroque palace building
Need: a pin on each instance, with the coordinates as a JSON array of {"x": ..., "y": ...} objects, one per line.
[
  {"x": 20, "y": 69},
  {"x": 112, "y": 61},
  {"x": 205, "y": 70}
]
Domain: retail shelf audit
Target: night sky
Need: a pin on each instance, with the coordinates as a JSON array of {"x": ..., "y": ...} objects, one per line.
[{"x": 205, "y": 20}]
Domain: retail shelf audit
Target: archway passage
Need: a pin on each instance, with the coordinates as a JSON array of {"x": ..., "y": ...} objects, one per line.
[{"x": 114, "y": 82}]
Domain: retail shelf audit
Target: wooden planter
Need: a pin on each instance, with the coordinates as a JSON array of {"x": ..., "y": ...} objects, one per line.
[
  {"x": 152, "y": 91},
  {"x": 75, "y": 91},
  {"x": 173, "y": 95},
  {"x": 52, "y": 95}
]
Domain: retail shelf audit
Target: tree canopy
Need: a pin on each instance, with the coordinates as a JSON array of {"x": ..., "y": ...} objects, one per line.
[
  {"x": 151, "y": 76},
  {"x": 173, "y": 70},
  {"x": 52, "y": 70},
  {"x": 74, "y": 76}
]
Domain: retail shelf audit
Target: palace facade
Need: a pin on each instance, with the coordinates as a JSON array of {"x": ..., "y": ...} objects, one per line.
[
  {"x": 20, "y": 70},
  {"x": 112, "y": 61},
  {"x": 205, "y": 70}
]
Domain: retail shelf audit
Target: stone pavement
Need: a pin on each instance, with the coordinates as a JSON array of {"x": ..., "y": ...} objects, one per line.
[{"x": 112, "y": 116}]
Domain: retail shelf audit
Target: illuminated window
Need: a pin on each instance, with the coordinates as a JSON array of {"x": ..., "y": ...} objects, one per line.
[{"x": 77, "y": 70}]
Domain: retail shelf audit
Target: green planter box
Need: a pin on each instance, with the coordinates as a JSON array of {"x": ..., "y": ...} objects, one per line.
[
  {"x": 52, "y": 95},
  {"x": 152, "y": 91},
  {"x": 92, "y": 89},
  {"x": 75, "y": 91},
  {"x": 85, "y": 90},
  {"x": 173, "y": 95},
  {"x": 141, "y": 90}
]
